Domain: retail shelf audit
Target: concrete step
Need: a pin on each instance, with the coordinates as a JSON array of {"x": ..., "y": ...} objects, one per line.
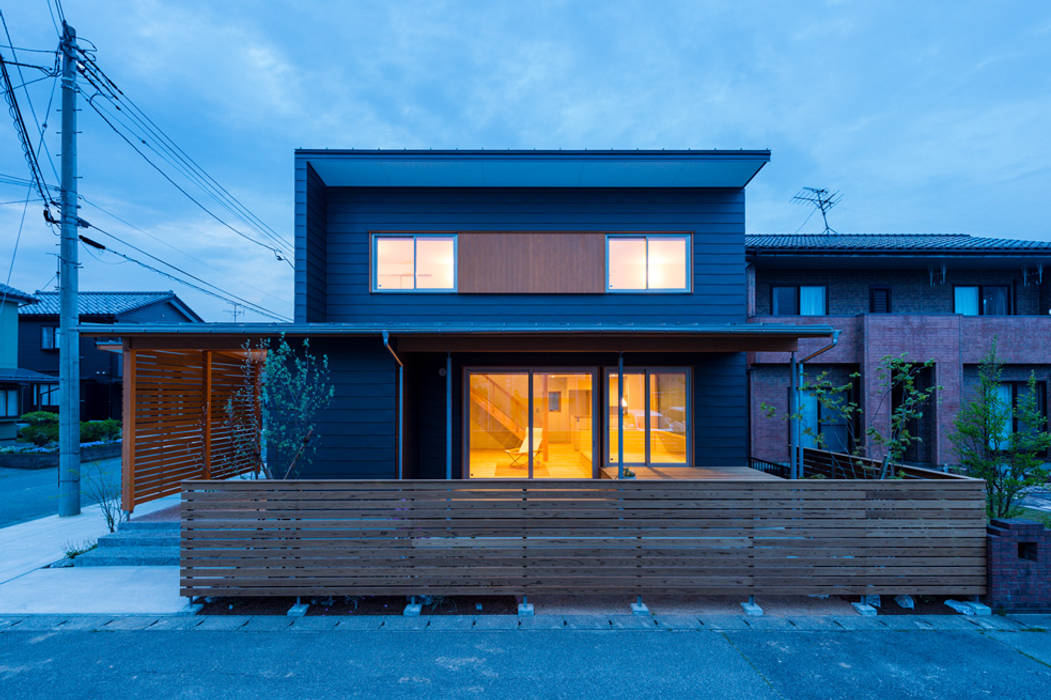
[
  {"x": 138, "y": 526},
  {"x": 147, "y": 539},
  {"x": 131, "y": 556}
]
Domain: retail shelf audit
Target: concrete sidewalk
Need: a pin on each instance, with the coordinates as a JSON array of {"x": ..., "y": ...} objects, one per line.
[
  {"x": 28, "y": 546},
  {"x": 94, "y": 590}
]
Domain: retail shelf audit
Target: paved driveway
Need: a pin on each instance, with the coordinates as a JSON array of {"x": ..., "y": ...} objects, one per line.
[
  {"x": 33, "y": 493},
  {"x": 233, "y": 661}
]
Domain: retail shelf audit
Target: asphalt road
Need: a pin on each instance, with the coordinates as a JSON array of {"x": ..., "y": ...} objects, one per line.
[
  {"x": 33, "y": 493},
  {"x": 199, "y": 663}
]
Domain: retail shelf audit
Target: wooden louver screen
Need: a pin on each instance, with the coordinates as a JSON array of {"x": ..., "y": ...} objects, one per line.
[
  {"x": 548, "y": 262},
  {"x": 175, "y": 420}
]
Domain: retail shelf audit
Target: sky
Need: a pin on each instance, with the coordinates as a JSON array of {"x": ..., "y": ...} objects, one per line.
[{"x": 926, "y": 116}]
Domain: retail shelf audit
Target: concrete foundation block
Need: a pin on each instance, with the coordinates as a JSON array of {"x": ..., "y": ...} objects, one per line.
[
  {"x": 864, "y": 609},
  {"x": 960, "y": 606},
  {"x": 412, "y": 610},
  {"x": 752, "y": 609},
  {"x": 980, "y": 609},
  {"x": 525, "y": 610},
  {"x": 873, "y": 600},
  {"x": 905, "y": 601},
  {"x": 298, "y": 610},
  {"x": 639, "y": 608}
]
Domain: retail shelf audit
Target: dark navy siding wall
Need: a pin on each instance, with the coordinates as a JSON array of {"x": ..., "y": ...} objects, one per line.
[
  {"x": 716, "y": 215},
  {"x": 310, "y": 275},
  {"x": 359, "y": 430},
  {"x": 720, "y": 410}
]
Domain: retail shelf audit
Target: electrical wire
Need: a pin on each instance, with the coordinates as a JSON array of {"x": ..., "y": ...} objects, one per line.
[
  {"x": 268, "y": 314},
  {"x": 165, "y": 243},
  {"x": 242, "y": 300},
  {"x": 138, "y": 121}
]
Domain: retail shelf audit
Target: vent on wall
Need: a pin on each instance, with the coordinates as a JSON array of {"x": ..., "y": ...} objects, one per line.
[{"x": 879, "y": 300}]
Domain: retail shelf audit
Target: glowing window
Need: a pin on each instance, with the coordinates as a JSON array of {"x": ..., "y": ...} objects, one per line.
[
  {"x": 406, "y": 263},
  {"x": 652, "y": 263}
]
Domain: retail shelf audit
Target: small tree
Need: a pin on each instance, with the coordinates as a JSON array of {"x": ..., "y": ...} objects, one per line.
[
  {"x": 898, "y": 376},
  {"x": 278, "y": 405},
  {"x": 989, "y": 448}
]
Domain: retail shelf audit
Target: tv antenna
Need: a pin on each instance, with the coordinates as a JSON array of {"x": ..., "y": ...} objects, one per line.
[{"x": 822, "y": 199}]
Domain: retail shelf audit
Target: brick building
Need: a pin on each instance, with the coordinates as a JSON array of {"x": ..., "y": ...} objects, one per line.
[{"x": 933, "y": 297}]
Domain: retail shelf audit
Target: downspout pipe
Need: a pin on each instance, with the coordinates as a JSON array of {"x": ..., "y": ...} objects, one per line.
[
  {"x": 401, "y": 402},
  {"x": 798, "y": 373}
]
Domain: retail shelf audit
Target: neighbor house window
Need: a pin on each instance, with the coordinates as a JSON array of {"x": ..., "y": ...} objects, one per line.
[
  {"x": 806, "y": 300},
  {"x": 985, "y": 300},
  {"x": 9, "y": 403},
  {"x": 49, "y": 338},
  {"x": 413, "y": 263},
  {"x": 648, "y": 263},
  {"x": 46, "y": 395}
]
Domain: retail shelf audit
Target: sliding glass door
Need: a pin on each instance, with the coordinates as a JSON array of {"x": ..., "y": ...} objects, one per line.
[
  {"x": 656, "y": 409},
  {"x": 500, "y": 443}
]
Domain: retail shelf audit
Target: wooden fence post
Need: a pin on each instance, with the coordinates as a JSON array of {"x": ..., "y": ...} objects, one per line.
[
  {"x": 127, "y": 447},
  {"x": 207, "y": 402}
]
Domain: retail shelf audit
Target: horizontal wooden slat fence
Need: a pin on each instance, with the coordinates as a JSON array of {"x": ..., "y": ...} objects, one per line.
[
  {"x": 313, "y": 538},
  {"x": 175, "y": 420}
]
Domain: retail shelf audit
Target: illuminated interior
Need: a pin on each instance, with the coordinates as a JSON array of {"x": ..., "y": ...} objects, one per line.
[
  {"x": 499, "y": 443},
  {"x": 422, "y": 262},
  {"x": 655, "y": 417},
  {"x": 647, "y": 262}
]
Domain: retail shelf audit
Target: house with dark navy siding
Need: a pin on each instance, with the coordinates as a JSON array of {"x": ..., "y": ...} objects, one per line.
[
  {"x": 570, "y": 314},
  {"x": 938, "y": 297}
]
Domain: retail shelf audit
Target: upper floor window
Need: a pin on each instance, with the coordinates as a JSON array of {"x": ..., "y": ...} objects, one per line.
[
  {"x": 991, "y": 300},
  {"x": 49, "y": 338},
  {"x": 414, "y": 263},
  {"x": 659, "y": 263},
  {"x": 807, "y": 300}
]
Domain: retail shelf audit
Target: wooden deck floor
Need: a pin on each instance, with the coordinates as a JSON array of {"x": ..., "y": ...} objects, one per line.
[{"x": 706, "y": 473}]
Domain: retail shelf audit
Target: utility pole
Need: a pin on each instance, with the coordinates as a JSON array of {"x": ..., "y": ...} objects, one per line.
[{"x": 69, "y": 317}]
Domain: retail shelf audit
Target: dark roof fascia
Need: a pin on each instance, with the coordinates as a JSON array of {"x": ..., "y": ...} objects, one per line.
[
  {"x": 535, "y": 153},
  {"x": 344, "y": 329},
  {"x": 535, "y": 169}
]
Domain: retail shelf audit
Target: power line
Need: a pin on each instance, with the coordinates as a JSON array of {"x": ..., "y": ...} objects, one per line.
[
  {"x": 179, "y": 187},
  {"x": 241, "y": 300},
  {"x": 134, "y": 120},
  {"x": 99, "y": 246},
  {"x": 165, "y": 243},
  {"x": 14, "y": 251},
  {"x": 204, "y": 180},
  {"x": 14, "y": 180}
]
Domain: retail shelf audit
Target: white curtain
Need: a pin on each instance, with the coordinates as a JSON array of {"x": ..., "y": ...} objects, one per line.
[{"x": 811, "y": 301}]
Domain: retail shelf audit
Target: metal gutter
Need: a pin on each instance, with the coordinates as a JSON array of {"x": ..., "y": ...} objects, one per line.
[
  {"x": 336, "y": 329},
  {"x": 401, "y": 403}
]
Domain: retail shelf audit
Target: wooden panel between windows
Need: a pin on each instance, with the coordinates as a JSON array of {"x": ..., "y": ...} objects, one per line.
[{"x": 548, "y": 262}]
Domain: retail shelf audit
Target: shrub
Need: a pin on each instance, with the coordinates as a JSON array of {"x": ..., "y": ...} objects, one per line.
[
  {"x": 100, "y": 430},
  {"x": 43, "y": 429}
]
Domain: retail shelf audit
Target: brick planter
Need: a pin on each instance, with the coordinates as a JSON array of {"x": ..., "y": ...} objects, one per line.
[
  {"x": 1019, "y": 561},
  {"x": 48, "y": 460}
]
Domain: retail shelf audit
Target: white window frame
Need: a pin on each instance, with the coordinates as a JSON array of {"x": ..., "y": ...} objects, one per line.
[
  {"x": 648, "y": 237},
  {"x": 414, "y": 237}
]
